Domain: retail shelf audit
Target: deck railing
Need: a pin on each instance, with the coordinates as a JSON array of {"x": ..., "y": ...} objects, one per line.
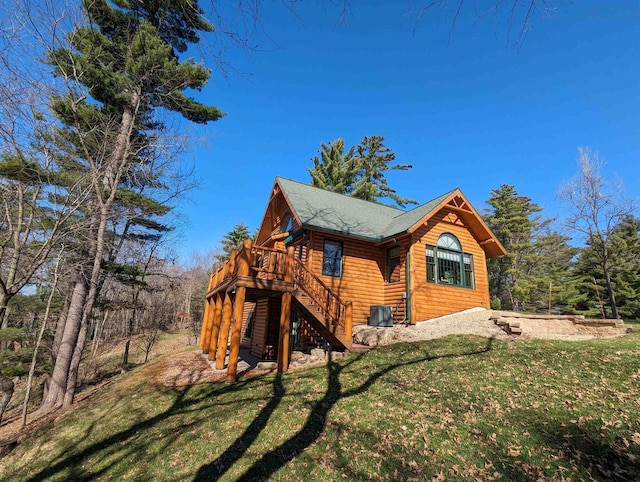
[
  {"x": 267, "y": 263},
  {"x": 270, "y": 264}
]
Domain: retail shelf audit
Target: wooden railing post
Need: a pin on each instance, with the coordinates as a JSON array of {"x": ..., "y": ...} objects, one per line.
[
  {"x": 348, "y": 320},
  {"x": 243, "y": 264},
  {"x": 232, "y": 262},
  {"x": 288, "y": 264}
]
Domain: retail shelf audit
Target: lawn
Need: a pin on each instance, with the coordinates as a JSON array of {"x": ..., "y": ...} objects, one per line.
[{"x": 458, "y": 408}]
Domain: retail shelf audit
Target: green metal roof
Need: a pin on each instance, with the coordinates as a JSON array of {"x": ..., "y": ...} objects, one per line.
[{"x": 329, "y": 211}]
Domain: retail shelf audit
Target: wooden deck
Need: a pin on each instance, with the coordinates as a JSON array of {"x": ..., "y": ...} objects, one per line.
[{"x": 257, "y": 272}]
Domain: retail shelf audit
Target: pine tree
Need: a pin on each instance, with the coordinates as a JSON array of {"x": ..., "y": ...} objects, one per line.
[
  {"x": 625, "y": 242},
  {"x": 334, "y": 170},
  {"x": 624, "y": 267},
  {"x": 512, "y": 220},
  {"x": 233, "y": 241},
  {"x": 550, "y": 266},
  {"x": 372, "y": 161},
  {"x": 121, "y": 67},
  {"x": 360, "y": 172}
]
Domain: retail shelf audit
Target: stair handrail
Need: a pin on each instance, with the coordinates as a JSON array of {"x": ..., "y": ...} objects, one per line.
[{"x": 325, "y": 299}]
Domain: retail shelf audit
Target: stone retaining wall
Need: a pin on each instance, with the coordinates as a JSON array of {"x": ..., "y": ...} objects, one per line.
[{"x": 557, "y": 326}]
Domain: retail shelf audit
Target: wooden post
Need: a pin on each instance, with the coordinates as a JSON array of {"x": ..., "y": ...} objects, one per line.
[
  {"x": 203, "y": 330},
  {"x": 215, "y": 330},
  {"x": 224, "y": 331},
  {"x": 288, "y": 264},
  {"x": 285, "y": 314},
  {"x": 348, "y": 320},
  {"x": 209, "y": 319},
  {"x": 232, "y": 262},
  {"x": 283, "y": 338},
  {"x": 208, "y": 325},
  {"x": 238, "y": 308},
  {"x": 227, "y": 305}
]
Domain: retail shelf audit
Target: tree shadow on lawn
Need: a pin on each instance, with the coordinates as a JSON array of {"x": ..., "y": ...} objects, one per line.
[
  {"x": 313, "y": 428},
  {"x": 74, "y": 463},
  {"x": 586, "y": 447}
]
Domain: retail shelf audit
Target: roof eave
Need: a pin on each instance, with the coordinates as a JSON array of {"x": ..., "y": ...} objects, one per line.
[{"x": 341, "y": 233}]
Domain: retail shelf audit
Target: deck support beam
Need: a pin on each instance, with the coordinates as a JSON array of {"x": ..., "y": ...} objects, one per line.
[
  {"x": 243, "y": 264},
  {"x": 227, "y": 305},
  {"x": 215, "y": 330},
  {"x": 203, "y": 329},
  {"x": 283, "y": 337},
  {"x": 285, "y": 314},
  {"x": 208, "y": 325},
  {"x": 203, "y": 344},
  {"x": 224, "y": 331}
]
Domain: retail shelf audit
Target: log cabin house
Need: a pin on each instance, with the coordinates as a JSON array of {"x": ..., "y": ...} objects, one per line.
[{"x": 323, "y": 262}]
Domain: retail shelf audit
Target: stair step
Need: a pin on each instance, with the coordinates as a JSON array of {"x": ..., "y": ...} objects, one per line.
[{"x": 514, "y": 330}]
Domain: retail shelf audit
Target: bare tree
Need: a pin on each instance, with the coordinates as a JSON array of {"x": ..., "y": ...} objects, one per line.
[
  {"x": 517, "y": 15},
  {"x": 30, "y": 224},
  {"x": 43, "y": 325},
  {"x": 594, "y": 208}
]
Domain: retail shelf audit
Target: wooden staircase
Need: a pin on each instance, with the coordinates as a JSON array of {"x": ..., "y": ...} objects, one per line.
[
  {"x": 312, "y": 314},
  {"x": 277, "y": 270},
  {"x": 321, "y": 307}
]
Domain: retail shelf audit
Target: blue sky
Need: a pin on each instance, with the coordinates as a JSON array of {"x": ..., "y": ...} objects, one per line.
[{"x": 466, "y": 107}]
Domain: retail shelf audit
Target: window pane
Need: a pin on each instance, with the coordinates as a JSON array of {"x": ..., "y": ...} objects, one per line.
[
  {"x": 332, "y": 258},
  {"x": 431, "y": 265},
  {"x": 449, "y": 241},
  {"x": 468, "y": 270},
  {"x": 449, "y": 269},
  {"x": 393, "y": 265}
]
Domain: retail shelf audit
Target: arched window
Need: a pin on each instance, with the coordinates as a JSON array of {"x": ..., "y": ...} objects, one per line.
[{"x": 448, "y": 264}]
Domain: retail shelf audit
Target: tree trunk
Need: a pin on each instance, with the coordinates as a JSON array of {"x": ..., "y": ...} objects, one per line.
[
  {"x": 65, "y": 373},
  {"x": 58, "y": 387},
  {"x": 79, "y": 319},
  {"x": 610, "y": 292},
  {"x": 6, "y": 392},
  {"x": 72, "y": 379},
  {"x": 125, "y": 355},
  {"x": 4, "y": 319},
  {"x": 62, "y": 318},
  {"x": 34, "y": 359},
  {"x": 98, "y": 334}
]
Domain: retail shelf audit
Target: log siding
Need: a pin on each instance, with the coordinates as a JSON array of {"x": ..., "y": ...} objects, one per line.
[
  {"x": 363, "y": 273},
  {"x": 429, "y": 300}
]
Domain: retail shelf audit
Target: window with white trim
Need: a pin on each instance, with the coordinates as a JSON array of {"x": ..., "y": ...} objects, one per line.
[{"x": 448, "y": 264}]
